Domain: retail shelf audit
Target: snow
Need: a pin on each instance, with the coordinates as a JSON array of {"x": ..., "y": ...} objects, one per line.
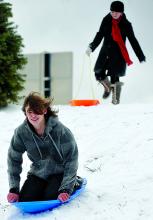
[
  {"x": 115, "y": 155},
  {"x": 115, "y": 142}
]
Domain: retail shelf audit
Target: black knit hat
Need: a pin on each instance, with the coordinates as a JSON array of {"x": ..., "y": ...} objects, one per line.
[{"x": 117, "y": 6}]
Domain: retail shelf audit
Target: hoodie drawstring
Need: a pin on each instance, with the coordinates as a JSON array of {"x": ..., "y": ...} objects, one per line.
[
  {"x": 55, "y": 146},
  {"x": 37, "y": 147}
]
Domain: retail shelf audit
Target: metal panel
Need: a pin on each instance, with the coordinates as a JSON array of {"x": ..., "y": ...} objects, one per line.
[
  {"x": 61, "y": 66},
  {"x": 49, "y": 74},
  {"x": 61, "y": 90},
  {"x": 33, "y": 72},
  {"x": 61, "y": 77}
]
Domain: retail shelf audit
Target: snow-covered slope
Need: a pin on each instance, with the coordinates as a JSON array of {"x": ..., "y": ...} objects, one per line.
[
  {"x": 115, "y": 155},
  {"x": 115, "y": 142}
]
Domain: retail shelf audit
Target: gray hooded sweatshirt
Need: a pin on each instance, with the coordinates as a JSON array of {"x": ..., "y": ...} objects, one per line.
[{"x": 55, "y": 153}]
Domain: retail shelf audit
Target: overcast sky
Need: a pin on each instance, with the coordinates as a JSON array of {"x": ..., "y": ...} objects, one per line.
[
  {"x": 70, "y": 25},
  {"x": 57, "y": 25}
]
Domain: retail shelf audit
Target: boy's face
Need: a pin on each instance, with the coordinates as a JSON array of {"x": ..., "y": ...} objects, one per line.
[
  {"x": 33, "y": 118},
  {"x": 116, "y": 14}
]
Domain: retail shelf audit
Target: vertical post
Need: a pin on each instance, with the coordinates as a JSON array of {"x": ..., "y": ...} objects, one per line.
[{"x": 47, "y": 75}]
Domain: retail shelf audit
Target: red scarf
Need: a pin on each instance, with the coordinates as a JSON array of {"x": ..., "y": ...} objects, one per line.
[{"x": 116, "y": 34}]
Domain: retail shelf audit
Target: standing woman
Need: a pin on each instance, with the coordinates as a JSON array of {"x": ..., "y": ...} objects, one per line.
[
  {"x": 113, "y": 57},
  {"x": 51, "y": 148}
]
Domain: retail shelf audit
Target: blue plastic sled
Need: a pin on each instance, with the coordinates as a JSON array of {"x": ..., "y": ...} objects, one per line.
[{"x": 40, "y": 206}]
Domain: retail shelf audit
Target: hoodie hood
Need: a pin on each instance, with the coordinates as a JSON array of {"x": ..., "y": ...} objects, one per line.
[{"x": 50, "y": 124}]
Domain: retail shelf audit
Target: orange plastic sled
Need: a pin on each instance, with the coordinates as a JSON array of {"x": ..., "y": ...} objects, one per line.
[{"x": 84, "y": 102}]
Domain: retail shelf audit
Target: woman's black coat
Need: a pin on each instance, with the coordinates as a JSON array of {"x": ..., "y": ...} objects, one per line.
[{"x": 110, "y": 50}]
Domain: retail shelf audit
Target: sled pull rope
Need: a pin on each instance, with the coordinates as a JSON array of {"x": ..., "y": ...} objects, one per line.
[
  {"x": 81, "y": 78},
  {"x": 92, "y": 88}
]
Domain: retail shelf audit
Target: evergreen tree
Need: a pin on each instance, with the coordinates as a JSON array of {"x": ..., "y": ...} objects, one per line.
[{"x": 11, "y": 57}]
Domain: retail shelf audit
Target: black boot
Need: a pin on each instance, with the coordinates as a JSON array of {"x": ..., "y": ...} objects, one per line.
[
  {"x": 116, "y": 92},
  {"x": 107, "y": 87}
]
